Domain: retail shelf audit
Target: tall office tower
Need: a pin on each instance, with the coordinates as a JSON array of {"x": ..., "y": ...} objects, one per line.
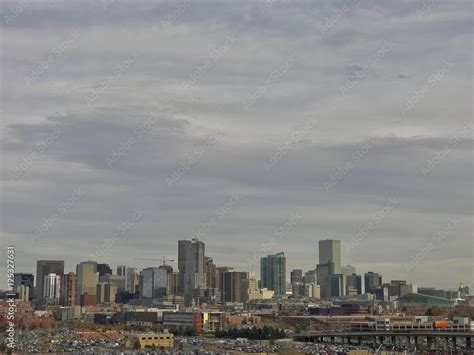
[
  {"x": 354, "y": 282},
  {"x": 25, "y": 280},
  {"x": 330, "y": 253},
  {"x": 232, "y": 286},
  {"x": 273, "y": 273},
  {"x": 131, "y": 277},
  {"x": 134, "y": 282},
  {"x": 67, "y": 292},
  {"x": 329, "y": 264},
  {"x": 250, "y": 288},
  {"x": 106, "y": 292},
  {"x": 183, "y": 246},
  {"x": 104, "y": 269},
  {"x": 194, "y": 274},
  {"x": 165, "y": 278},
  {"x": 118, "y": 280},
  {"x": 372, "y": 280},
  {"x": 220, "y": 270},
  {"x": 155, "y": 281},
  {"x": 337, "y": 285},
  {"x": 310, "y": 277},
  {"x": 296, "y": 276},
  {"x": 174, "y": 283},
  {"x": 51, "y": 287},
  {"x": 87, "y": 279},
  {"x": 43, "y": 268},
  {"x": 322, "y": 275},
  {"x": 211, "y": 272}
]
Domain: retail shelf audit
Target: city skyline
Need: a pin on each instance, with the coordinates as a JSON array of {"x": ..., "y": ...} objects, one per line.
[
  {"x": 326, "y": 246},
  {"x": 255, "y": 127}
]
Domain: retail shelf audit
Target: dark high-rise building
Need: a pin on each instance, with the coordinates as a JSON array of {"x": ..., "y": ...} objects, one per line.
[
  {"x": 27, "y": 280},
  {"x": 232, "y": 287},
  {"x": 372, "y": 280},
  {"x": 67, "y": 292},
  {"x": 355, "y": 282},
  {"x": 194, "y": 274},
  {"x": 104, "y": 269},
  {"x": 273, "y": 273},
  {"x": 211, "y": 272},
  {"x": 43, "y": 268},
  {"x": 183, "y": 246},
  {"x": 296, "y": 276}
]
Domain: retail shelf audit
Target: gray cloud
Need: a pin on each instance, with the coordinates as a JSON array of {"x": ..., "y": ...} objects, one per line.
[{"x": 244, "y": 139}]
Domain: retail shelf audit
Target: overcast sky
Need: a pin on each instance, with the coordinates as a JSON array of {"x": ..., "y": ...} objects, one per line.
[{"x": 347, "y": 120}]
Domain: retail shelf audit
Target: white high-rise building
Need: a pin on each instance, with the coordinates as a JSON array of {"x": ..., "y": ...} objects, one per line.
[{"x": 51, "y": 287}]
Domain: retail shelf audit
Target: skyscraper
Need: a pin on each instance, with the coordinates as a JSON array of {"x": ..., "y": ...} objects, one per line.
[
  {"x": 329, "y": 264},
  {"x": 104, "y": 269},
  {"x": 26, "y": 280},
  {"x": 211, "y": 272},
  {"x": 372, "y": 280},
  {"x": 87, "y": 279},
  {"x": 296, "y": 276},
  {"x": 51, "y": 288},
  {"x": 155, "y": 281},
  {"x": 330, "y": 253},
  {"x": 67, "y": 292},
  {"x": 106, "y": 292},
  {"x": 131, "y": 277},
  {"x": 191, "y": 257},
  {"x": 232, "y": 286},
  {"x": 273, "y": 273},
  {"x": 43, "y": 268},
  {"x": 183, "y": 246},
  {"x": 354, "y": 282}
]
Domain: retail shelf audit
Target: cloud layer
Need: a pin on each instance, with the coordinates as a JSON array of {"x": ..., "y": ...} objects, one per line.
[{"x": 209, "y": 92}]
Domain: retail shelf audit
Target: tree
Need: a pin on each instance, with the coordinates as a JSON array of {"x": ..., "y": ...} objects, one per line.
[{"x": 136, "y": 344}]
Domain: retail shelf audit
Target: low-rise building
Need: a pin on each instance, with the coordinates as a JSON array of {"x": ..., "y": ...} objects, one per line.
[{"x": 150, "y": 340}]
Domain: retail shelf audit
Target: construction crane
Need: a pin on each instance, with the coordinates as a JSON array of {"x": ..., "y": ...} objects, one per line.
[{"x": 163, "y": 259}]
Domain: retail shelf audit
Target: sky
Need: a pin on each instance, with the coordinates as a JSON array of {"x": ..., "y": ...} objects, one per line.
[{"x": 258, "y": 127}]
